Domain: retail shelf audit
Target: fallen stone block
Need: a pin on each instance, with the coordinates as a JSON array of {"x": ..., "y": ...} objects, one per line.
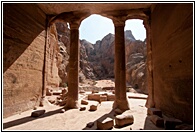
[
  {"x": 124, "y": 120},
  {"x": 64, "y": 90},
  {"x": 111, "y": 97},
  {"x": 105, "y": 124},
  {"x": 95, "y": 97},
  {"x": 158, "y": 121},
  {"x": 84, "y": 102},
  {"x": 103, "y": 98},
  {"x": 108, "y": 88},
  {"x": 154, "y": 111},
  {"x": 171, "y": 123},
  {"x": 90, "y": 124},
  {"x": 82, "y": 108},
  {"x": 81, "y": 91},
  {"x": 113, "y": 91},
  {"x": 93, "y": 108},
  {"x": 37, "y": 113}
]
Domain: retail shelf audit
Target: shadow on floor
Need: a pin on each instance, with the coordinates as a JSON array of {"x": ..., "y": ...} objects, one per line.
[
  {"x": 94, "y": 127},
  {"x": 29, "y": 118},
  {"x": 148, "y": 125}
]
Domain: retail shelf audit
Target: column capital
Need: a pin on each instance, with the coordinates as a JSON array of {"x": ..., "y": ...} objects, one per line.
[
  {"x": 119, "y": 20},
  {"x": 74, "y": 23}
]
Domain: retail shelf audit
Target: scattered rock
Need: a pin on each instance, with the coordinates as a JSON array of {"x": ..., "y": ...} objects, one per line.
[
  {"x": 35, "y": 108},
  {"x": 154, "y": 111},
  {"x": 62, "y": 111},
  {"x": 51, "y": 101},
  {"x": 158, "y": 121},
  {"x": 37, "y": 113},
  {"x": 113, "y": 91},
  {"x": 124, "y": 119},
  {"x": 64, "y": 90},
  {"x": 95, "y": 97},
  {"x": 84, "y": 102},
  {"x": 82, "y": 108},
  {"x": 105, "y": 124},
  {"x": 171, "y": 123},
  {"x": 90, "y": 124},
  {"x": 93, "y": 108}
]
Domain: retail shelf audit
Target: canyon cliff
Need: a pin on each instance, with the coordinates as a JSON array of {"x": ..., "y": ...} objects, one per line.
[{"x": 97, "y": 60}]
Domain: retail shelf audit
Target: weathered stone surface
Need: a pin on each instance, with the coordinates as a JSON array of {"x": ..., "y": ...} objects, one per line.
[
  {"x": 173, "y": 59},
  {"x": 84, "y": 102},
  {"x": 158, "y": 121},
  {"x": 171, "y": 123},
  {"x": 154, "y": 111},
  {"x": 105, "y": 124},
  {"x": 37, "y": 113},
  {"x": 124, "y": 119},
  {"x": 23, "y": 55},
  {"x": 108, "y": 88}
]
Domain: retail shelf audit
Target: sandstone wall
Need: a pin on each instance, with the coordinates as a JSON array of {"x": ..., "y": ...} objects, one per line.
[
  {"x": 23, "y": 56},
  {"x": 172, "y": 47}
]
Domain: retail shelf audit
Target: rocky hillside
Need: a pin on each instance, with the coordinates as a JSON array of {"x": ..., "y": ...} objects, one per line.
[{"x": 97, "y": 60}]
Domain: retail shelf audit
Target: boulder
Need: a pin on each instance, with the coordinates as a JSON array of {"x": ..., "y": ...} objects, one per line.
[
  {"x": 37, "y": 113},
  {"x": 105, "y": 124},
  {"x": 93, "y": 106}
]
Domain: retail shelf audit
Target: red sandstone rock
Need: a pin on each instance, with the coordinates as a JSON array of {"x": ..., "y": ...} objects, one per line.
[
  {"x": 111, "y": 97},
  {"x": 82, "y": 108},
  {"x": 171, "y": 123},
  {"x": 84, "y": 102},
  {"x": 105, "y": 124},
  {"x": 90, "y": 124},
  {"x": 95, "y": 97},
  {"x": 103, "y": 98}
]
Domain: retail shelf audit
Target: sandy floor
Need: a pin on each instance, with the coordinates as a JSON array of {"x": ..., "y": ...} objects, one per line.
[{"x": 74, "y": 119}]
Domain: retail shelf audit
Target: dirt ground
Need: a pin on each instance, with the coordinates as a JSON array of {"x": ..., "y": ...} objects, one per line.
[{"x": 74, "y": 119}]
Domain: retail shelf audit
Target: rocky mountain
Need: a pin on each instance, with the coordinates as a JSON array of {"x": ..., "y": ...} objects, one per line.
[{"x": 97, "y": 60}]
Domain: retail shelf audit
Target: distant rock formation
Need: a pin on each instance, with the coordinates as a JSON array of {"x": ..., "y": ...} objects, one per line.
[{"x": 97, "y": 60}]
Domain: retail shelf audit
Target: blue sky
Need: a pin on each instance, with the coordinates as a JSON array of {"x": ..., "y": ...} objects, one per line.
[{"x": 95, "y": 27}]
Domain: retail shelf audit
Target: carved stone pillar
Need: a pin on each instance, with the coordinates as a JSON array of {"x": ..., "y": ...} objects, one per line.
[
  {"x": 150, "y": 100},
  {"x": 120, "y": 66},
  {"x": 73, "y": 81}
]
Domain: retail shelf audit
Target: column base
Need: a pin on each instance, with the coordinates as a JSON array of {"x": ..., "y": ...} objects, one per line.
[
  {"x": 71, "y": 104},
  {"x": 121, "y": 104}
]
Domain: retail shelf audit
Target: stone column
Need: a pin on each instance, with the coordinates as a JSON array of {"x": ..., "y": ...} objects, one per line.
[
  {"x": 72, "y": 99},
  {"x": 150, "y": 100},
  {"x": 120, "y": 66}
]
